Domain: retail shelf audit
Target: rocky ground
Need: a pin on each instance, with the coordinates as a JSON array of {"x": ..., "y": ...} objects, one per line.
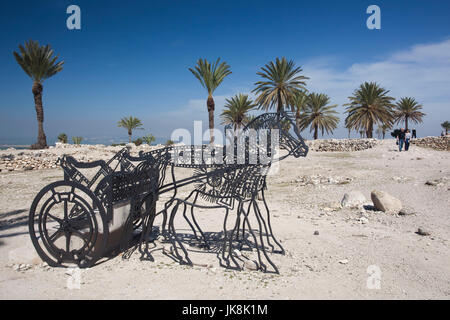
[{"x": 339, "y": 243}]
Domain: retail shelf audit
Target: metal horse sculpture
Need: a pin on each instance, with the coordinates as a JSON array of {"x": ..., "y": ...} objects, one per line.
[{"x": 231, "y": 184}]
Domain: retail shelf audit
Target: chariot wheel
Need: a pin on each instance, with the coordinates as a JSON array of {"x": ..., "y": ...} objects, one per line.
[{"x": 68, "y": 225}]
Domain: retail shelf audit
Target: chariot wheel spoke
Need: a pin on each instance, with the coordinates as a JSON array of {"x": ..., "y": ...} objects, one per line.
[{"x": 53, "y": 237}]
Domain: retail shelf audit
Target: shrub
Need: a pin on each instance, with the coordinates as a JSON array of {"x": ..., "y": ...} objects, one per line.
[
  {"x": 62, "y": 138},
  {"x": 169, "y": 142},
  {"x": 138, "y": 141},
  {"x": 77, "y": 140}
]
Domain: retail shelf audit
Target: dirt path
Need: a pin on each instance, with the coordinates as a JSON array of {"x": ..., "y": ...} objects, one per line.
[{"x": 331, "y": 265}]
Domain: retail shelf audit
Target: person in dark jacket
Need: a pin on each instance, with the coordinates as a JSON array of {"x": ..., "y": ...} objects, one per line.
[
  {"x": 414, "y": 134},
  {"x": 401, "y": 139}
]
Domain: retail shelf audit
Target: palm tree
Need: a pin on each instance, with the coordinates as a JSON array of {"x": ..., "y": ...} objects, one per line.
[
  {"x": 385, "y": 127},
  {"x": 39, "y": 64},
  {"x": 446, "y": 126},
  {"x": 369, "y": 105},
  {"x": 298, "y": 103},
  {"x": 319, "y": 115},
  {"x": 408, "y": 109},
  {"x": 236, "y": 110},
  {"x": 282, "y": 80},
  {"x": 149, "y": 139},
  {"x": 130, "y": 123},
  {"x": 210, "y": 77}
]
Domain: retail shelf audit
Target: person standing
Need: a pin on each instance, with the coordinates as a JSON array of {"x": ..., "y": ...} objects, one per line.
[
  {"x": 407, "y": 139},
  {"x": 401, "y": 139},
  {"x": 414, "y": 134}
]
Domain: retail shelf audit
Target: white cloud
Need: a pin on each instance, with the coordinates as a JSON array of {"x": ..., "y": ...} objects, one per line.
[{"x": 422, "y": 72}]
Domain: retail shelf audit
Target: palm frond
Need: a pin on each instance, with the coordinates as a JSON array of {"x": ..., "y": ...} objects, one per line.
[{"x": 38, "y": 61}]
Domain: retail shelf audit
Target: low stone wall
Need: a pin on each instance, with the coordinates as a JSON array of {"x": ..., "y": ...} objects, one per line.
[
  {"x": 341, "y": 145},
  {"x": 24, "y": 160},
  {"x": 437, "y": 143}
]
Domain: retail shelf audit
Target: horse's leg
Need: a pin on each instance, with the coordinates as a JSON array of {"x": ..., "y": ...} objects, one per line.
[
  {"x": 196, "y": 223},
  {"x": 175, "y": 239},
  {"x": 169, "y": 203},
  {"x": 185, "y": 216},
  {"x": 229, "y": 239},
  {"x": 246, "y": 220},
  {"x": 147, "y": 225},
  {"x": 281, "y": 251},
  {"x": 257, "y": 214}
]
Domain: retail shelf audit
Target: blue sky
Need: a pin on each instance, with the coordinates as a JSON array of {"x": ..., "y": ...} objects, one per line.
[{"x": 132, "y": 58}]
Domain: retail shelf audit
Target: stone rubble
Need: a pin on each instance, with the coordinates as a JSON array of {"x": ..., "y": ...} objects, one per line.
[
  {"x": 341, "y": 145},
  {"x": 437, "y": 143},
  {"x": 319, "y": 179},
  {"x": 47, "y": 158}
]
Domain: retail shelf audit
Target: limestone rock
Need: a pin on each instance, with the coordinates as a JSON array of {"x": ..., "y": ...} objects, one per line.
[
  {"x": 385, "y": 202},
  {"x": 250, "y": 265},
  {"x": 353, "y": 199}
]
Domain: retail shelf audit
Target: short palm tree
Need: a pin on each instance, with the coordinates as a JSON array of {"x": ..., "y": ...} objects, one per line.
[
  {"x": 281, "y": 81},
  {"x": 318, "y": 115},
  {"x": 446, "y": 126},
  {"x": 236, "y": 109},
  {"x": 39, "y": 64},
  {"x": 130, "y": 123},
  {"x": 298, "y": 104},
  {"x": 210, "y": 77},
  {"x": 369, "y": 105},
  {"x": 149, "y": 139},
  {"x": 408, "y": 109}
]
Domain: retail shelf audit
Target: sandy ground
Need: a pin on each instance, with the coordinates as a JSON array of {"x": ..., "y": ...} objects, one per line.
[{"x": 331, "y": 265}]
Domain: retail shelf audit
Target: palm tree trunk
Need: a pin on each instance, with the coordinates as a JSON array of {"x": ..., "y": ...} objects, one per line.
[
  {"x": 316, "y": 132},
  {"x": 211, "y": 105},
  {"x": 297, "y": 120},
  {"x": 280, "y": 104},
  {"x": 406, "y": 123},
  {"x": 129, "y": 135},
  {"x": 369, "y": 130},
  {"x": 42, "y": 139}
]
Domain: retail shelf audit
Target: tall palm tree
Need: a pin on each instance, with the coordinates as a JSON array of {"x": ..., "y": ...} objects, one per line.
[
  {"x": 369, "y": 105},
  {"x": 236, "y": 110},
  {"x": 210, "y": 77},
  {"x": 130, "y": 123},
  {"x": 319, "y": 115},
  {"x": 408, "y": 109},
  {"x": 281, "y": 81},
  {"x": 446, "y": 126},
  {"x": 39, "y": 64},
  {"x": 298, "y": 103}
]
